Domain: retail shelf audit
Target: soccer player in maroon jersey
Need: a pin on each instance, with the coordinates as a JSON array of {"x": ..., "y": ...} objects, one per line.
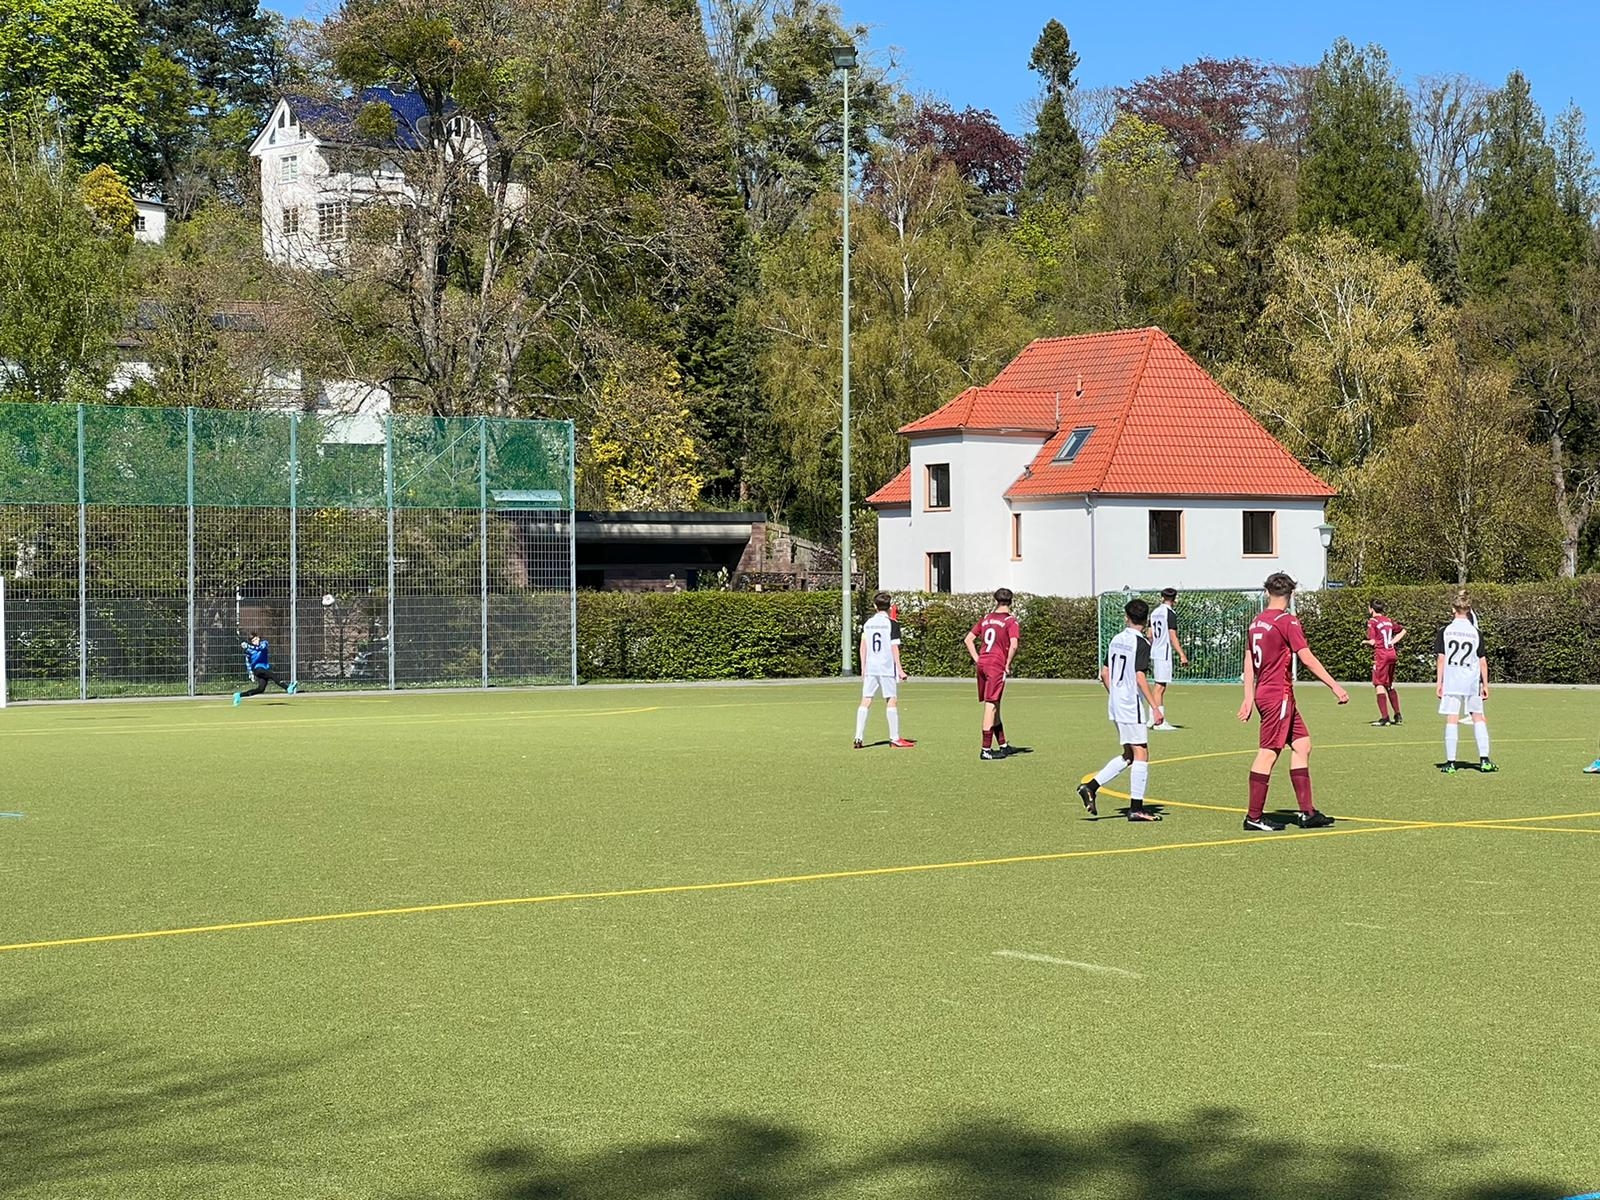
[
  {"x": 1383, "y": 635},
  {"x": 1276, "y": 640},
  {"x": 999, "y": 634}
]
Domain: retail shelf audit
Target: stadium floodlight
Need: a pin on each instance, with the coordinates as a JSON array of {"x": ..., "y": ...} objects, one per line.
[{"x": 844, "y": 58}]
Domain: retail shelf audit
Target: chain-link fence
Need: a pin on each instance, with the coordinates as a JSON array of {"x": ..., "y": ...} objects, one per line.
[
  {"x": 141, "y": 544},
  {"x": 1211, "y": 626}
]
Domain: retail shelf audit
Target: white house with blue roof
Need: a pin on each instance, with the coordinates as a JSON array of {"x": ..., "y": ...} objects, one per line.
[{"x": 317, "y": 166}]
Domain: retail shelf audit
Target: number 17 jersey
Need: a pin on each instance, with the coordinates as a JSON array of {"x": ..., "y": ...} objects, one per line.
[{"x": 1128, "y": 654}]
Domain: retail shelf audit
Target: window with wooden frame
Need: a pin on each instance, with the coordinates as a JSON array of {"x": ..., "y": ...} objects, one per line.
[
  {"x": 291, "y": 222},
  {"x": 1166, "y": 533},
  {"x": 936, "y": 497},
  {"x": 939, "y": 571},
  {"x": 1016, "y": 536},
  {"x": 1260, "y": 534}
]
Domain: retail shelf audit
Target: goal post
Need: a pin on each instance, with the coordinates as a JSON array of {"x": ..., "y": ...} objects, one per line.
[
  {"x": 1211, "y": 624},
  {"x": 5, "y": 690}
]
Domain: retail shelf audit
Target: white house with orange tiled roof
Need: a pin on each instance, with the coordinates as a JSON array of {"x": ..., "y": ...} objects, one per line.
[{"x": 1152, "y": 476}]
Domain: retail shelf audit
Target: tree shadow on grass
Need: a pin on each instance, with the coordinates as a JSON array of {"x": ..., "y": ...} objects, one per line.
[
  {"x": 1210, "y": 1155},
  {"x": 75, "y": 1111}
]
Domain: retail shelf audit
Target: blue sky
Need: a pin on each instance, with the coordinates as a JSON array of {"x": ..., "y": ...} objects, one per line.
[{"x": 977, "y": 53}]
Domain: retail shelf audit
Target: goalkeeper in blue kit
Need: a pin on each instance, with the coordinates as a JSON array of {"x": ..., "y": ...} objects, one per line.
[{"x": 258, "y": 658}]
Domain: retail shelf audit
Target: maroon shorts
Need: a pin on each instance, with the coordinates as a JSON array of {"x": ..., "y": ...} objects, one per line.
[
  {"x": 1281, "y": 722},
  {"x": 991, "y": 685},
  {"x": 1383, "y": 670}
]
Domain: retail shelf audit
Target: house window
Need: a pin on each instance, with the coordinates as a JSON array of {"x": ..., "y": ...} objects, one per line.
[
  {"x": 291, "y": 222},
  {"x": 1073, "y": 444},
  {"x": 1261, "y": 534},
  {"x": 938, "y": 495},
  {"x": 289, "y": 168},
  {"x": 1166, "y": 533},
  {"x": 139, "y": 223},
  {"x": 1016, "y": 535},
  {"x": 332, "y": 217},
  {"x": 939, "y": 571}
]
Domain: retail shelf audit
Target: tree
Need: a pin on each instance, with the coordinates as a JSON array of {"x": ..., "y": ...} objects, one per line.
[
  {"x": 784, "y": 103},
  {"x": 1448, "y": 114},
  {"x": 1360, "y": 171},
  {"x": 62, "y": 271},
  {"x": 1340, "y": 361},
  {"x": 1054, "y": 173},
  {"x": 1210, "y": 107},
  {"x": 936, "y": 307},
  {"x": 1461, "y": 495},
  {"x": 972, "y": 141},
  {"x": 1520, "y": 221},
  {"x": 78, "y": 59},
  {"x": 1253, "y": 213}
]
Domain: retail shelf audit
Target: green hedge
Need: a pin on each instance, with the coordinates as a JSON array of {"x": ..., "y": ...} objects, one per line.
[
  {"x": 787, "y": 635},
  {"x": 1533, "y": 632}
]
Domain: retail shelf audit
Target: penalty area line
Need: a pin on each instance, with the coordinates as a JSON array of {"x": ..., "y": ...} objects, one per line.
[{"x": 674, "y": 889}]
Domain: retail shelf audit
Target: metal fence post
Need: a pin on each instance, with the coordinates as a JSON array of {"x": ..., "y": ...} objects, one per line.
[
  {"x": 483, "y": 538},
  {"x": 388, "y": 504},
  {"x": 572, "y": 542},
  {"x": 83, "y": 571},
  {"x": 188, "y": 422},
  {"x": 294, "y": 548}
]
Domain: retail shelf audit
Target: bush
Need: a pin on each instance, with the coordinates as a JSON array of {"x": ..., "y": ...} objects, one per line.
[
  {"x": 1535, "y": 633},
  {"x": 1545, "y": 632},
  {"x": 789, "y": 635}
]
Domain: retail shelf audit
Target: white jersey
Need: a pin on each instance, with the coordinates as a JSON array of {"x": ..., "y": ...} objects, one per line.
[
  {"x": 1462, "y": 647},
  {"x": 879, "y": 636},
  {"x": 1128, "y": 654},
  {"x": 1162, "y": 620}
]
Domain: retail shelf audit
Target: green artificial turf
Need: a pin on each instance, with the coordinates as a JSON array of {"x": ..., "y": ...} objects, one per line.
[{"x": 1393, "y": 1013}]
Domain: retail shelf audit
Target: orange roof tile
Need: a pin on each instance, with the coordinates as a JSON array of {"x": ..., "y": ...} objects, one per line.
[
  {"x": 895, "y": 493},
  {"x": 1161, "y": 425},
  {"x": 993, "y": 409}
]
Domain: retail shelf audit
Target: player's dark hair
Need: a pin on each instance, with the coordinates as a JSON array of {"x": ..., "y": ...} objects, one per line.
[
  {"x": 1376, "y": 606},
  {"x": 1169, "y": 593},
  {"x": 883, "y": 600},
  {"x": 1279, "y": 584},
  {"x": 1003, "y": 596},
  {"x": 1138, "y": 611}
]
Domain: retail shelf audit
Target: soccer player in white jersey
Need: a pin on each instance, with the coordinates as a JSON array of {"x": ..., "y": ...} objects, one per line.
[
  {"x": 881, "y": 670},
  {"x": 1164, "y": 644},
  {"x": 1462, "y": 674},
  {"x": 1126, "y": 678}
]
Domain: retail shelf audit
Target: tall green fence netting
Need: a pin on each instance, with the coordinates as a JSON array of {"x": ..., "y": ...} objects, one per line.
[
  {"x": 373, "y": 551},
  {"x": 1211, "y": 627}
]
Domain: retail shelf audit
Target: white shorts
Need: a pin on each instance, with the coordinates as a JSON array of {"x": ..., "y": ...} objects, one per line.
[
  {"x": 1161, "y": 670},
  {"x": 871, "y": 683},
  {"x": 1132, "y": 735},
  {"x": 1461, "y": 706}
]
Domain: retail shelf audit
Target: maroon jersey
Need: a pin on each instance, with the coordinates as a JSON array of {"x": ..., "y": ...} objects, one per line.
[
  {"x": 995, "y": 634},
  {"x": 1275, "y": 638},
  {"x": 1381, "y": 632}
]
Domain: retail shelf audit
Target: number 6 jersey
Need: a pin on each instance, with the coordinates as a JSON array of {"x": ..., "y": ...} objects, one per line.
[
  {"x": 879, "y": 636},
  {"x": 1462, "y": 647}
]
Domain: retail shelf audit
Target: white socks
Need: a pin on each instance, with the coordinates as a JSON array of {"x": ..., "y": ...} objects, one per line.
[
  {"x": 861, "y": 722},
  {"x": 1111, "y": 770},
  {"x": 1452, "y": 737},
  {"x": 1480, "y": 730},
  {"x": 1139, "y": 776},
  {"x": 894, "y": 724}
]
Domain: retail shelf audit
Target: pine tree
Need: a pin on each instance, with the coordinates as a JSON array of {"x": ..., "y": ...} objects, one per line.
[
  {"x": 1361, "y": 171},
  {"x": 1521, "y": 222},
  {"x": 1054, "y": 173}
]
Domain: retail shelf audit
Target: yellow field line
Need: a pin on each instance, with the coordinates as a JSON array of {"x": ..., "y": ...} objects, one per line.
[
  {"x": 671, "y": 889},
  {"x": 1183, "y": 758}
]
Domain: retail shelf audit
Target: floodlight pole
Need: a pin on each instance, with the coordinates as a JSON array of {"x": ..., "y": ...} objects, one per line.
[
  {"x": 844, "y": 57},
  {"x": 3, "y": 689}
]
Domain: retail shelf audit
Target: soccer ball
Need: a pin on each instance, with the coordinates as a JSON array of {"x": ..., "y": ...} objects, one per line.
[{"x": 327, "y": 601}]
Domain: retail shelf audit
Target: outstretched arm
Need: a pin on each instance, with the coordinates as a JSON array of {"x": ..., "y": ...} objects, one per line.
[{"x": 1311, "y": 663}]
